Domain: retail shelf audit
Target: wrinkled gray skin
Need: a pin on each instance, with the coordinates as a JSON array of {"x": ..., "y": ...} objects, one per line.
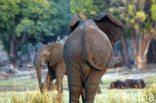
[
  {"x": 52, "y": 55},
  {"x": 87, "y": 54}
]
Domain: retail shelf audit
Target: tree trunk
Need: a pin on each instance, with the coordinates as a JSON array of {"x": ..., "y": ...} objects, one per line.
[
  {"x": 143, "y": 49},
  {"x": 135, "y": 48},
  {"x": 153, "y": 50},
  {"x": 145, "y": 54},
  {"x": 121, "y": 52},
  {"x": 126, "y": 56},
  {"x": 14, "y": 46}
]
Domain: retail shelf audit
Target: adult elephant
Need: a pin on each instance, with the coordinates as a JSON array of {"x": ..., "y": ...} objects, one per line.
[
  {"x": 53, "y": 56},
  {"x": 87, "y": 53}
]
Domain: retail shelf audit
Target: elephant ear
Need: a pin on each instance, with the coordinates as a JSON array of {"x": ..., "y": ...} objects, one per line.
[
  {"x": 107, "y": 16},
  {"x": 110, "y": 25},
  {"x": 73, "y": 23}
]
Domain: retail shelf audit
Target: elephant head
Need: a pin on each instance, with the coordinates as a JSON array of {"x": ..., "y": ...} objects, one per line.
[
  {"x": 106, "y": 23},
  {"x": 41, "y": 58}
]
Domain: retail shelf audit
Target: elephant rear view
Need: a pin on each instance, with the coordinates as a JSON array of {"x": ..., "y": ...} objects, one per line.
[{"x": 87, "y": 53}]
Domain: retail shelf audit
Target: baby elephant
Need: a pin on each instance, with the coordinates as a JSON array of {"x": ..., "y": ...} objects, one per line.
[{"x": 52, "y": 55}]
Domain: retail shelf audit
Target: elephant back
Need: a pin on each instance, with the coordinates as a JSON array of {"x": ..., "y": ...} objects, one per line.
[{"x": 56, "y": 53}]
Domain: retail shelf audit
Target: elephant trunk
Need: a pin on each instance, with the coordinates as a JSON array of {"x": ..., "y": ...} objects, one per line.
[{"x": 38, "y": 70}]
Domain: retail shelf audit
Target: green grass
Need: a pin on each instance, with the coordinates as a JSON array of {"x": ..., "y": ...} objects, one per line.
[
  {"x": 18, "y": 83},
  {"x": 26, "y": 94}
]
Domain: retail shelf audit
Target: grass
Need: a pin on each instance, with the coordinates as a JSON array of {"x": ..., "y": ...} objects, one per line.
[
  {"x": 150, "y": 94},
  {"x": 107, "y": 96},
  {"x": 17, "y": 83},
  {"x": 33, "y": 97}
]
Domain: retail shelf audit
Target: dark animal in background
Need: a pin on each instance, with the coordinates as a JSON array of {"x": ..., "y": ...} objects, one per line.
[
  {"x": 52, "y": 55},
  {"x": 128, "y": 83},
  {"x": 87, "y": 53},
  {"x": 135, "y": 83},
  {"x": 117, "y": 85}
]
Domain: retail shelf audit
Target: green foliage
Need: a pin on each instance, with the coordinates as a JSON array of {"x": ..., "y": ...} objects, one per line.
[
  {"x": 134, "y": 15},
  {"x": 102, "y": 5},
  {"x": 32, "y": 19},
  {"x": 148, "y": 28},
  {"x": 86, "y": 7},
  {"x": 18, "y": 18},
  {"x": 131, "y": 9},
  {"x": 24, "y": 48},
  {"x": 153, "y": 10},
  {"x": 13, "y": 11},
  {"x": 141, "y": 16}
]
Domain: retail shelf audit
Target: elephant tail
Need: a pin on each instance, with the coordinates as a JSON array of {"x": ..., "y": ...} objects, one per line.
[
  {"x": 116, "y": 65},
  {"x": 91, "y": 63}
]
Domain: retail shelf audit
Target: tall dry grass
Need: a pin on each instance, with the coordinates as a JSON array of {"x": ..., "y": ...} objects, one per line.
[
  {"x": 37, "y": 97},
  {"x": 150, "y": 94},
  {"x": 147, "y": 95}
]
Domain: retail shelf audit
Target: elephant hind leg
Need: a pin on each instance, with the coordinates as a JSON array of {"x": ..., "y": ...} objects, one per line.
[
  {"x": 90, "y": 91},
  {"x": 75, "y": 84},
  {"x": 84, "y": 74},
  {"x": 91, "y": 85}
]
